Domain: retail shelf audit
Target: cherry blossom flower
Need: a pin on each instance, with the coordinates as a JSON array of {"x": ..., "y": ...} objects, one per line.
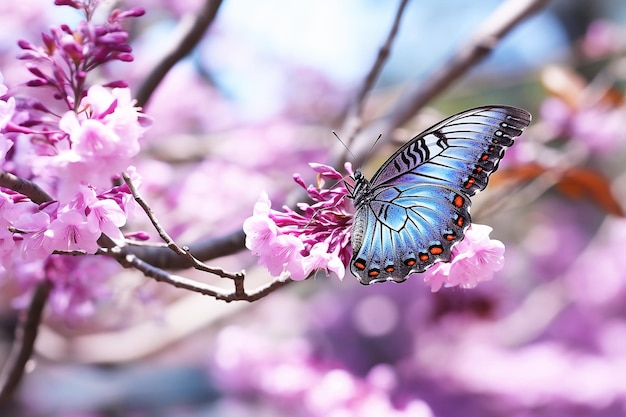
[
  {"x": 35, "y": 234},
  {"x": 7, "y": 110},
  {"x": 474, "y": 259},
  {"x": 295, "y": 244},
  {"x": 70, "y": 231},
  {"x": 106, "y": 216},
  {"x": 9, "y": 213},
  {"x": 75, "y": 154}
]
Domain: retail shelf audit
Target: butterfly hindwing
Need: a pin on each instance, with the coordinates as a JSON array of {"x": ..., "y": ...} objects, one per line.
[{"x": 416, "y": 207}]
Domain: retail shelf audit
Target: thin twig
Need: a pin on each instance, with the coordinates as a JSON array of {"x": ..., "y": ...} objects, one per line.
[
  {"x": 480, "y": 44},
  {"x": 354, "y": 119},
  {"x": 131, "y": 242},
  {"x": 183, "y": 252},
  {"x": 239, "y": 294},
  {"x": 182, "y": 48},
  {"x": 22, "y": 348}
]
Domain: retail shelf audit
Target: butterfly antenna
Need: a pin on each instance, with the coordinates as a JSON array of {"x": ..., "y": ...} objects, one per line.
[
  {"x": 369, "y": 153},
  {"x": 345, "y": 146}
]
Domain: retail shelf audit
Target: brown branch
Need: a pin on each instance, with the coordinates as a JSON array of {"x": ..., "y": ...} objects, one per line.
[
  {"x": 354, "y": 120},
  {"x": 28, "y": 325},
  {"x": 239, "y": 294},
  {"x": 204, "y": 250},
  {"x": 183, "y": 252},
  {"x": 480, "y": 44},
  {"x": 184, "y": 46},
  {"x": 484, "y": 39},
  {"x": 24, "y": 187},
  {"x": 23, "y": 346}
]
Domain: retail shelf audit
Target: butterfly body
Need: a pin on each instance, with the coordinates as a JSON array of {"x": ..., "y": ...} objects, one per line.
[{"x": 416, "y": 207}]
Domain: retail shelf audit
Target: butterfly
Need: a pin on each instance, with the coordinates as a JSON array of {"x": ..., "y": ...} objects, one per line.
[{"x": 417, "y": 205}]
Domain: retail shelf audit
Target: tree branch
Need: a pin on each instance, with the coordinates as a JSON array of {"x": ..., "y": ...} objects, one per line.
[
  {"x": 238, "y": 294},
  {"x": 183, "y": 252},
  {"x": 484, "y": 39},
  {"x": 480, "y": 44},
  {"x": 353, "y": 120},
  {"x": 179, "y": 50},
  {"x": 24, "y": 187},
  {"x": 22, "y": 348}
]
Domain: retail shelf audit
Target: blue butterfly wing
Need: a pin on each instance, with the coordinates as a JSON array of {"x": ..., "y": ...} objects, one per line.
[{"x": 416, "y": 207}]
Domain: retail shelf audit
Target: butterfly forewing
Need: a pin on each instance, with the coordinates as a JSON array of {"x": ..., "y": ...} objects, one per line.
[{"x": 416, "y": 207}]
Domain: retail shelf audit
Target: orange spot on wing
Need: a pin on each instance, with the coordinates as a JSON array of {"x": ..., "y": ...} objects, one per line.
[
  {"x": 460, "y": 221},
  {"x": 359, "y": 264},
  {"x": 423, "y": 257},
  {"x": 390, "y": 269},
  {"x": 484, "y": 157},
  {"x": 436, "y": 250},
  {"x": 470, "y": 182},
  {"x": 410, "y": 262},
  {"x": 458, "y": 201},
  {"x": 449, "y": 237},
  {"x": 373, "y": 272}
]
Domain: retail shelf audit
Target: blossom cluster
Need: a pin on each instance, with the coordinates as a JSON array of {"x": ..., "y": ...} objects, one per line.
[
  {"x": 72, "y": 143},
  {"x": 295, "y": 244}
]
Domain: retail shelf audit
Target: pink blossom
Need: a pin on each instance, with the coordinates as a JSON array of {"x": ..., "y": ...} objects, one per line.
[
  {"x": 5, "y": 146},
  {"x": 89, "y": 138},
  {"x": 99, "y": 134},
  {"x": 103, "y": 215},
  {"x": 260, "y": 230},
  {"x": 67, "y": 55},
  {"x": 106, "y": 216},
  {"x": 70, "y": 231},
  {"x": 321, "y": 258},
  {"x": 296, "y": 244},
  {"x": 102, "y": 141},
  {"x": 116, "y": 109},
  {"x": 474, "y": 259},
  {"x": 9, "y": 212},
  {"x": 122, "y": 196},
  {"x": 35, "y": 234},
  {"x": 7, "y": 107},
  {"x": 75, "y": 153},
  {"x": 279, "y": 253}
]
